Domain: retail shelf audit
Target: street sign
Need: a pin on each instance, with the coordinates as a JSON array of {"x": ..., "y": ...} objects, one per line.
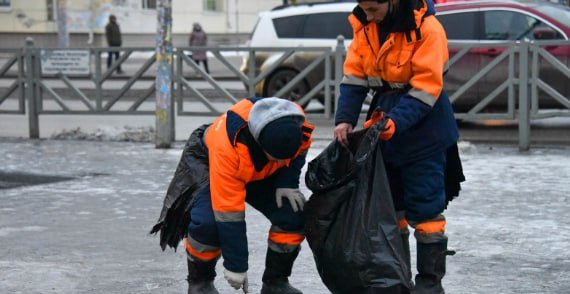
[{"x": 66, "y": 61}]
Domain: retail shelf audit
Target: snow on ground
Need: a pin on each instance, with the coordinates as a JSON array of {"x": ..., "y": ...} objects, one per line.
[{"x": 90, "y": 234}]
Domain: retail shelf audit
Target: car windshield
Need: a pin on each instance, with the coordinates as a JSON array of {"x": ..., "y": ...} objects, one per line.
[{"x": 560, "y": 13}]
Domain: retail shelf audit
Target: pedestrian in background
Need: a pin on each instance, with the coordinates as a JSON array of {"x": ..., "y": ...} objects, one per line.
[
  {"x": 251, "y": 154},
  {"x": 114, "y": 39},
  {"x": 199, "y": 38},
  {"x": 399, "y": 51}
]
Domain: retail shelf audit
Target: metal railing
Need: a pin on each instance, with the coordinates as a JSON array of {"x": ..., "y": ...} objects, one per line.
[
  {"x": 15, "y": 86},
  {"x": 101, "y": 92}
]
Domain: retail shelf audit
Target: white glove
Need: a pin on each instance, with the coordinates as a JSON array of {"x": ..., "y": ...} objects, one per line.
[
  {"x": 236, "y": 280},
  {"x": 296, "y": 198}
]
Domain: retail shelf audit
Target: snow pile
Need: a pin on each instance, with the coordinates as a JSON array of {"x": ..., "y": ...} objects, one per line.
[{"x": 115, "y": 134}]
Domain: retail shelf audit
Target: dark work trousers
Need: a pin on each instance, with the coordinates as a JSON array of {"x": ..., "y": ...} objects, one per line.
[
  {"x": 110, "y": 59},
  {"x": 419, "y": 187},
  {"x": 205, "y": 62},
  {"x": 260, "y": 195}
]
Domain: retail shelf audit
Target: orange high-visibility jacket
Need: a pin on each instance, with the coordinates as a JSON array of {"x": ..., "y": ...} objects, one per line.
[
  {"x": 416, "y": 57},
  {"x": 406, "y": 71},
  {"x": 232, "y": 167}
]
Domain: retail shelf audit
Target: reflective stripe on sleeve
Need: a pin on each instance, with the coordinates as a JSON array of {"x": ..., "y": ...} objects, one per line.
[{"x": 423, "y": 96}]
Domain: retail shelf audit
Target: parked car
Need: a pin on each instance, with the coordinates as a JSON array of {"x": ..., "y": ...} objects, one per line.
[
  {"x": 302, "y": 25},
  {"x": 464, "y": 21},
  {"x": 491, "y": 21}
]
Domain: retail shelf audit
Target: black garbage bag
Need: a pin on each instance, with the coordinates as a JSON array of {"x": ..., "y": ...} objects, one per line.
[
  {"x": 350, "y": 221},
  {"x": 190, "y": 176},
  {"x": 453, "y": 174}
]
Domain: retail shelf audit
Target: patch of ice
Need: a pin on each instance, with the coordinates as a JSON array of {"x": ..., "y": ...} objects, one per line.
[{"x": 7, "y": 231}]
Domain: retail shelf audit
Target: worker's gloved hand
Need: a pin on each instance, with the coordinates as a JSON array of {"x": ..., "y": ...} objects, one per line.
[
  {"x": 389, "y": 130},
  {"x": 296, "y": 198},
  {"x": 389, "y": 125},
  {"x": 236, "y": 280},
  {"x": 376, "y": 116}
]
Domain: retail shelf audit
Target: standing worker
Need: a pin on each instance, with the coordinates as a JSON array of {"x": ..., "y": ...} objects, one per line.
[
  {"x": 113, "y": 34},
  {"x": 400, "y": 52},
  {"x": 199, "y": 38},
  {"x": 253, "y": 153}
]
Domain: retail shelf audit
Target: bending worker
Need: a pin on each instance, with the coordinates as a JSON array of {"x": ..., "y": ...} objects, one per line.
[
  {"x": 399, "y": 52},
  {"x": 255, "y": 152}
]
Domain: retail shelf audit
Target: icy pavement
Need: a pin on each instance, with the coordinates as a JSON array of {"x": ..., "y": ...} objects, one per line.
[{"x": 90, "y": 235}]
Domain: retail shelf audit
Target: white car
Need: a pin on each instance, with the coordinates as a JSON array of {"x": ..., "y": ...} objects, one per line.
[{"x": 303, "y": 25}]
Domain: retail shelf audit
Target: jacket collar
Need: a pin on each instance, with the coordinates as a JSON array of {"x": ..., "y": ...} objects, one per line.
[
  {"x": 256, "y": 153},
  {"x": 402, "y": 22}
]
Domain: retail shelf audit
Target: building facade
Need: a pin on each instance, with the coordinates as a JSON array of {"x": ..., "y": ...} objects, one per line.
[{"x": 226, "y": 21}]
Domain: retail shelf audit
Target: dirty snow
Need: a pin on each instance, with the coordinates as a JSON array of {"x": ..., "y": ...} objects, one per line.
[{"x": 90, "y": 235}]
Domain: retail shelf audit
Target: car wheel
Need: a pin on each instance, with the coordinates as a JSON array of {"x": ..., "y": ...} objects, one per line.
[{"x": 279, "y": 79}]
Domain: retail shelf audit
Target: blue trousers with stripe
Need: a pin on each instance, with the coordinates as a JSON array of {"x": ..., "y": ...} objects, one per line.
[
  {"x": 260, "y": 195},
  {"x": 418, "y": 187}
]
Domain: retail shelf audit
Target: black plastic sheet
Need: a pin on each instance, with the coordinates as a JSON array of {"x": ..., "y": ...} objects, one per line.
[
  {"x": 351, "y": 223},
  {"x": 190, "y": 176}
]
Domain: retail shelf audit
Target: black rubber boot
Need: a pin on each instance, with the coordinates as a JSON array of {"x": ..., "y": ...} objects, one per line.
[
  {"x": 201, "y": 276},
  {"x": 431, "y": 267},
  {"x": 277, "y": 271}
]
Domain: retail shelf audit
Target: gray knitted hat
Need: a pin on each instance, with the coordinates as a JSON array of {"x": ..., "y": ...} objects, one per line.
[{"x": 275, "y": 124}]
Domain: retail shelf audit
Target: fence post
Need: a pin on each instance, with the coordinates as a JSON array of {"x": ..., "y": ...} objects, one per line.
[
  {"x": 98, "y": 81},
  {"x": 524, "y": 112},
  {"x": 33, "y": 119},
  {"x": 179, "y": 99},
  {"x": 164, "y": 106},
  {"x": 338, "y": 67},
  {"x": 251, "y": 72}
]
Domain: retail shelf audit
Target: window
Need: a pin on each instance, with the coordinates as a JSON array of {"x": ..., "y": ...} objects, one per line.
[
  {"x": 459, "y": 26},
  {"x": 508, "y": 25},
  {"x": 213, "y": 5},
  {"x": 290, "y": 26},
  {"x": 327, "y": 26},
  {"x": 497, "y": 24},
  {"x": 314, "y": 26},
  {"x": 50, "y": 10},
  {"x": 122, "y": 3},
  {"x": 149, "y": 4},
  {"x": 5, "y": 4},
  {"x": 559, "y": 13}
]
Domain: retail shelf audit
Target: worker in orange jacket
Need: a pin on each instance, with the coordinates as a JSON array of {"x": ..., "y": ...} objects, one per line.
[
  {"x": 399, "y": 55},
  {"x": 253, "y": 154}
]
